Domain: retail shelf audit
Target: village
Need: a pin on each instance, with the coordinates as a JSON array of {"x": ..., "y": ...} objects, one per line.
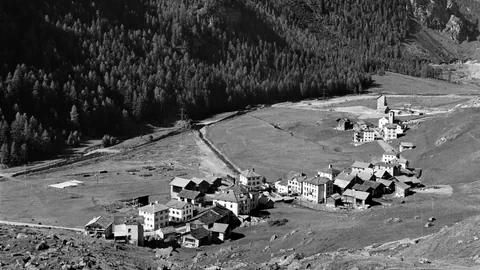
[{"x": 203, "y": 211}]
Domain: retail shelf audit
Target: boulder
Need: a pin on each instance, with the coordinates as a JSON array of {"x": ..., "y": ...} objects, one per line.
[
  {"x": 432, "y": 219},
  {"x": 42, "y": 246},
  {"x": 273, "y": 237},
  {"x": 21, "y": 236}
]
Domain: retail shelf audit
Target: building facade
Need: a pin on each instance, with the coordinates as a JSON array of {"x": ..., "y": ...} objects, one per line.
[
  {"x": 317, "y": 189},
  {"x": 250, "y": 179},
  {"x": 179, "y": 211},
  {"x": 155, "y": 216}
]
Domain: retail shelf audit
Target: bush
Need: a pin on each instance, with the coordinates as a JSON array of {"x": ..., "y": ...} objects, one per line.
[{"x": 277, "y": 222}]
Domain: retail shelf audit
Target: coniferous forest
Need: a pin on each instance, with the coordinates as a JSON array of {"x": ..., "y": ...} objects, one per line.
[{"x": 88, "y": 68}]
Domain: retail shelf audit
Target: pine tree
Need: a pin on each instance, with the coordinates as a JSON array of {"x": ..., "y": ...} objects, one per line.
[
  {"x": 14, "y": 154},
  {"x": 5, "y": 154},
  {"x": 74, "y": 116}
]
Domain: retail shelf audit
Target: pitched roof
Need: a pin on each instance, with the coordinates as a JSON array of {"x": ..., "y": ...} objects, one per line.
[
  {"x": 212, "y": 178},
  {"x": 317, "y": 181},
  {"x": 357, "y": 194},
  {"x": 406, "y": 144},
  {"x": 229, "y": 196},
  {"x": 345, "y": 119},
  {"x": 372, "y": 184},
  {"x": 331, "y": 171},
  {"x": 219, "y": 227},
  {"x": 406, "y": 179},
  {"x": 345, "y": 176},
  {"x": 239, "y": 189},
  {"x": 391, "y": 126},
  {"x": 387, "y": 165},
  {"x": 385, "y": 182},
  {"x": 249, "y": 173},
  {"x": 292, "y": 174},
  {"x": 100, "y": 220},
  {"x": 153, "y": 208},
  {"x": 168, "y": 230},
  {"x": 176, "y": 204},
  {"x": 336, "y": 196},
  {"x": 362, "y": 187},
  {"x": 211, "y": 214},
  {"x": 341, "y": 183},
  {"x": 360, "y": 164},
  {"x": 199, "y": 233},
  {"x": 180, "y": 182},
  {"x": 365, "y": 175},
  {"x": 381, "y": 173},
  {"x": 189, "y": 194},
  {"x": 401, "y": 185},
  {"x": 282, "y": 183},
  {"x": 197, "y": 180}
]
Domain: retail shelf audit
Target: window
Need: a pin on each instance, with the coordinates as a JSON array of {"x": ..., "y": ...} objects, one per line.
[{"x": 129, "y": 230}]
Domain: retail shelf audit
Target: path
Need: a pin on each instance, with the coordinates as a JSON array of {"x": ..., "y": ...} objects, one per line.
[
  {"x": 386, "y": 146},
  {"x": 39, "y": 226}
]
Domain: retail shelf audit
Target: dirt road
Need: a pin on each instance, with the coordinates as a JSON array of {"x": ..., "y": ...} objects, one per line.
[{"x": 39, "y": 226}]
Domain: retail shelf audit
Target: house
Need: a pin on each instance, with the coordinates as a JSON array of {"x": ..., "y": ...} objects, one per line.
[
  {"x": 359, "y": 166},
  {"x": 382, "y": 104},
  {"x": 239, "y": 200},
  {"x": 155, "y": 216},
  {"x": 282, "y": 187},
  {"x": 390, "y": 132},
  {"x": 329, "y": 172},
  {"x": 294, "y": 181},
  {"x": 401, "y": 189},
  {"x": 196, "y": 198},
  {"x": 254, "y": 195},
  {"x": 100, "y": 226},
  {"x": 211, "y": 215},
  {"x": 364, "y": 188},
  {"x": 344, "y": 181},
  {"x": 403, "y": 162},
  {"x": 344, "y": 124},
  {"x": 406, "y": 146},
  {"x": 128, "y": 231},
  {"x": 214, "y": 181},
  {"x": 387, "y": 184},
  {"x": 196, "y": 238},
  {"x": 382, "y": 174},
  {"x": 367, "y": 135},
  {"x": 201, "y": 185},
  {"x": 265, "y": 202},
  {"x": 366, "y": 175},
  {"x": 251, "y": 179},
  {"x": 317, "y": 189},
  {"x": 179, "y": 211},
  {"x": 166, "y": 232},
  {"x": 355, "y": 198},
  {"x": 334, "y": 200},
  {"x": 178, "y": 184},
  {"x": 377, "y": 188},
  {"x": 389, "y": 157},
  {"x": 220, "y": 231},
  {"x": 392, "y": 168},
  {"x": 382, "y": 122}
]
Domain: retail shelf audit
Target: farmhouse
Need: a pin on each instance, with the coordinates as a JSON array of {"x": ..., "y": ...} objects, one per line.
[
  {"x": 155, "y": 216},
  {"x": 382, "y": 104},
  {"x": 317, "y": 189},
  {"x": 179, "y": 211},
  {"x": 329, "y": 172},
  {"x": 355, "y": 198},
  {"x": 367, "y": 135},
  {"x": 201, "y": 185},
  {"x": 196, "y": 238},
  {"x": 281, "y": 187},
  {"x": 128, "y": 231},
  {"x": 294, "y": 181},
  {"x": 344, "y": 124},
  {"x": 377, "y": 188},
  {"x": 401, "y": 189},
  {"x": 220, "y": 231},
  {"x": 99, "y": 227},
  {"x": 359, "y": 166},
  {"x": 406, "y": 146},
  {"x": 392, "y": 168},
  {"x": 251, "y": 179},
  {"x": 390, "y": 132},
  {"x": 196, "y": 198},
  {"x": 178, "y": 184},
  {"x": 334, "y": 200}
]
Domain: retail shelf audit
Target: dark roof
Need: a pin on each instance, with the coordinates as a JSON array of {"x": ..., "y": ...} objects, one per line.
[
  {"x": 317, "y": 181},
  {"x": 198, "y": 181},
  {"x": 344, "y": 119},
  {"x": 104, "y": 221},
  {"x": 361, "y": 187},
  {"x": 199, "y": 233},
  {"x": 212, "y": 214},
  {"x": 372, "y": 184},
  {"x": 189, "y": 194}
]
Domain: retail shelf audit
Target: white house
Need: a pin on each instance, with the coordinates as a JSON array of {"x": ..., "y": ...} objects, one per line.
[
  {"x": 367, "y": 135},
  {"x": 250, "y": 179},
  {"x": 382, "y": 122},
  {"x": 155, "y": 216},
  {"x": 317, "y": 189},
  {"x": 359, "y": 166},
  {"x": 238, "y": 200},
  {"x": 390, "y": 132},
  {"x": 281, "y": 187},
  {"x": 179, "y": 211},
  {"x": 294, "y": 181},
  {"x": 389, "y": 157},
  {"x": 329, "y": 172}
]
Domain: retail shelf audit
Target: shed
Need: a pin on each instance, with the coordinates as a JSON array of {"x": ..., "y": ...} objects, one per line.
[
  {"x": 388, "y": 185},
  {"x": 100, "y": 226},
  {"x": 334, "y": 200},
  {"x": 220, "y": 231},
  {"x": 344, "y": 123},
  {"x": 401, "y": 189},
  {"x": 377, "y": 188},
  {"x": 201, "y": 185}
]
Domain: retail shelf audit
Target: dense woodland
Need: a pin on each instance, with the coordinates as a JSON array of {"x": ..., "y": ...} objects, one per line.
[{"x": 70, "y": 69}]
